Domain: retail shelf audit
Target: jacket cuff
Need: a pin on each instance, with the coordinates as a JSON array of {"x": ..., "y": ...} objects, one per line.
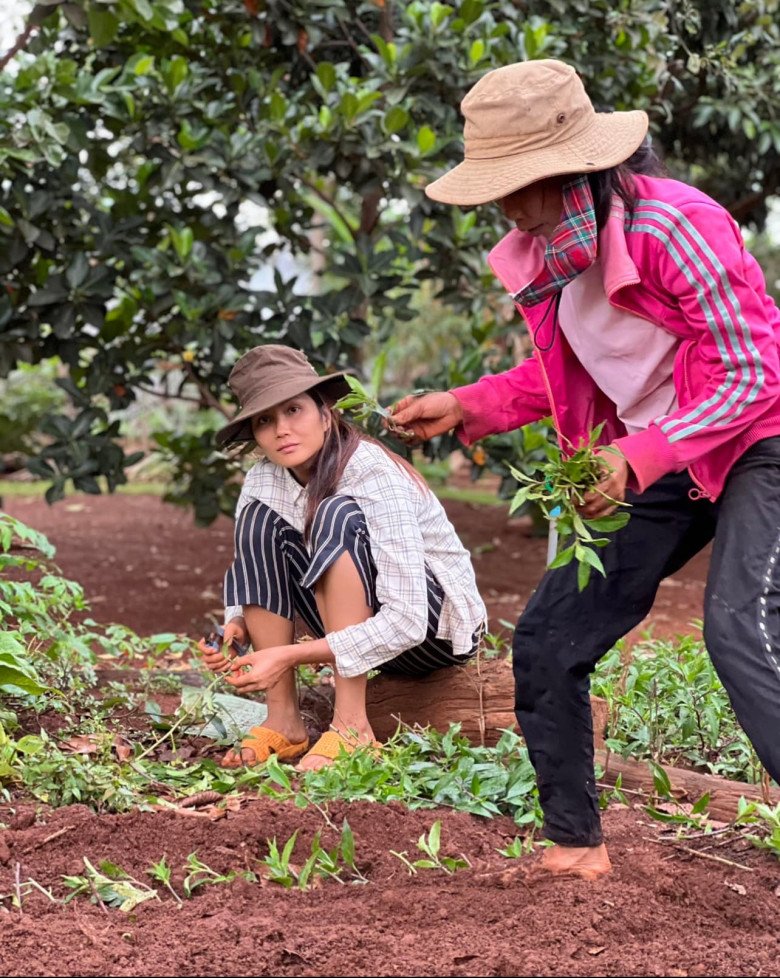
[
  {"x": 650, "y": 456},
  {"x": 478, "y": 404}
]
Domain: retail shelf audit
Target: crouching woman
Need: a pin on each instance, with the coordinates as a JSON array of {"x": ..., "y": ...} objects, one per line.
[{"x": 336, "y": 528}]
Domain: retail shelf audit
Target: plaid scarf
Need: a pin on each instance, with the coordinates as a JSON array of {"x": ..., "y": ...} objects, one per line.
[{"x": 570, "y": 250}]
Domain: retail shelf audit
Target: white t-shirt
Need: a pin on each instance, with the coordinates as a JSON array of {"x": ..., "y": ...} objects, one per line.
[{"x": 630, "y": 359}]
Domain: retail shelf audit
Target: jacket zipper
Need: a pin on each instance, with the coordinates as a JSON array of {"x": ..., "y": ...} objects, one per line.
[{"x": 544, "y": 378}]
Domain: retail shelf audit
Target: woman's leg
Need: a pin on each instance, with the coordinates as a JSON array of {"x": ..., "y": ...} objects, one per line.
[
  {"x": 341, "y": 574},
  {"x": 558, "y": 641},
  {"x": 270, "y": 558},
  {"x": 742, "y": 601},
  {"x": 266, "y": 631}
]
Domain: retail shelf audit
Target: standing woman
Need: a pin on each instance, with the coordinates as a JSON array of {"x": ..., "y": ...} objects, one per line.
[
  {"x": 333, "y": 526},
  {"x": 647, "y": 314}
]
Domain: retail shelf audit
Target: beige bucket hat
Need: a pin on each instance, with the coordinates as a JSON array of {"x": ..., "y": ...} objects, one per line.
[
  {"x": 528, "y": 121},
  {"x": 268, "y": 375}
]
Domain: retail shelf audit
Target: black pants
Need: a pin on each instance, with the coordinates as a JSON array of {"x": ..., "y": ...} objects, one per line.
[{"x": 563, "y": 633}]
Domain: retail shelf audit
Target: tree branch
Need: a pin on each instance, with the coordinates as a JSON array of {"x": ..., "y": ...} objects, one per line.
[
  {"x": 324, "y": 197},
  {"x": 19, "y": 44},
  {"x": 206, "y": 395}
]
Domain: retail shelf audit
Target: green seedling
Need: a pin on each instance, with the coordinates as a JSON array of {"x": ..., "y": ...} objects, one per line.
[
  {"x": 766, "y": 819},
  {"x": 559, "y": 490},
  {"x": 110, "y": 885},
  {"x": 202, "y": 875},
  {"x": 161, "y": 872},
  {"x": 430, "y": 845},
  {"x": 321, "y": 863},
  {"x": 521, "y": 845},
  {"x": 363, "y": 402},
  {"x": 278, "y": 868}
]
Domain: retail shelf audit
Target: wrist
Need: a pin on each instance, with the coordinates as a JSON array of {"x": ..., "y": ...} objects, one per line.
[{"x": 457, "y": 407}]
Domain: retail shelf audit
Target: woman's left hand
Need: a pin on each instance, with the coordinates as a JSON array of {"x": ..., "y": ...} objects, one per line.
[
  {"x": 258, "y": 670},
  {"x": 616, "y": 473}
]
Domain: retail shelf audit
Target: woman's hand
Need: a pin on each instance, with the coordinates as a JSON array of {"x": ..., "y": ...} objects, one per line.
[
  {"x": 259, "y": 670},
  {"x": 613, "y": 484},
  {"x": 427, "y": 415},
  {"x": 219, "y": 659}
]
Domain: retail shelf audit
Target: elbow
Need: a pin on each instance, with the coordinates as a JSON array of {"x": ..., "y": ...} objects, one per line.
[{"x": 416, "y": 632}]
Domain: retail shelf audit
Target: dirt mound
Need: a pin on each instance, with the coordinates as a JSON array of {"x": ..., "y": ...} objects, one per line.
[{"x": 660, "y": 913}]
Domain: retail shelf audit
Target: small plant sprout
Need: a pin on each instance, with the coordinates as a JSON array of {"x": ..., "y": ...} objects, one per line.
[
  {"x": 161, "y": 872},
  {"x": 430, "y": 845},
  {"x": 202, "y": 875},
  {"x": 521, "y": 845},
  {"x": 766, "y": 819},
  {"x": 559, "y": 490},
  {"x": 277, "y": 863},
  {"x": 364, "y": 405},
  {"x": 321, "y": 863}
]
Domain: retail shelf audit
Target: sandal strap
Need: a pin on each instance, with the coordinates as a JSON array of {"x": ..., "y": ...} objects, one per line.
[
  {"x": 265, "y": 741},
  {"x": 332, "y": 742}
]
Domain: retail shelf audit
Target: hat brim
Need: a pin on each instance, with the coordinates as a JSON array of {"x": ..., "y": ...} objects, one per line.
[
  {"x": 610, "y": 139},
  {"x": 333, "y": 387}
]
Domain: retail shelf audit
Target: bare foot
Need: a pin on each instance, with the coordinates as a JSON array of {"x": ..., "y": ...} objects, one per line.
[{"x": 588, "y": 862}]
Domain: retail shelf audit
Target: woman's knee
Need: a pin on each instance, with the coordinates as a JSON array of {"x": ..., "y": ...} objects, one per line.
[
  {"x": 334, "y": 516},
  {"x": 258, "y": 527}
]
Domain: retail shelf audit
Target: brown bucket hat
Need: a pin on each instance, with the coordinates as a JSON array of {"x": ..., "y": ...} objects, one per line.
[
  {"x": 528, "y": 121},
  {"x": 268, "y": 375}
]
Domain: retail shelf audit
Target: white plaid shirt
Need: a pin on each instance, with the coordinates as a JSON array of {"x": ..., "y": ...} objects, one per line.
[{"x": 408, "y": 528}]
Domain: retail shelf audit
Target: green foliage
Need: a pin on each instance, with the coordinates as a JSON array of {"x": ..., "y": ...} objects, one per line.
[
  {"x": 364, "y": 405},
  {"x": 161, "y": 872},
  {"x": 27, "y": 395},
  {"x": 766, "y": 820},
  {"x": 425, "y": 769},
  {"x": 110, "y": 886},
  {"x": 667, "y": 704},
  {"x": 559, "y": 489},
  {"x": 155, "y": 154},
  {"x": 320, "y": 863},
  {"x": 199, "y": 875}
]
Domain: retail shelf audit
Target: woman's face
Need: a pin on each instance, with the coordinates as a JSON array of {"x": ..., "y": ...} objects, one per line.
[
  {"x": 291, "y": 433},
  {"x": 536, "y": 209}
]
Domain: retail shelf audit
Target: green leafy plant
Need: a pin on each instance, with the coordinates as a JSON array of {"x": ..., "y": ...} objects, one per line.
[
  {"x": 364, "y": 405},
  {"x": 427, "y": 769},
  {"x": 430, "y": 845},
  {"x": 764, "y": 818},
  {"x": 163, "y": 873},
  {"x": 522, "y": 845},
  {"x": 667, "y": 704},
  {"x": 278, "y": 868},
  {"x": 559, "y": 490},
  {"x": 199, "y": 875},
  {"x": 320, "y": 863},
  {"x": 109, "y": 885}
]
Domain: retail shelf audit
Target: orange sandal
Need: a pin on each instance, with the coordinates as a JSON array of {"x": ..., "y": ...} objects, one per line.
[
  {"x": 332, "y": 742},
  {"x": 263, "y": 742}
]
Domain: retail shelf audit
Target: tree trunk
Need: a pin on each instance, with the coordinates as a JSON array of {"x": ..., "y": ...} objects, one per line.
[
  {"x": 687, "y": 786},
  {"x": 479, "y": 696}
]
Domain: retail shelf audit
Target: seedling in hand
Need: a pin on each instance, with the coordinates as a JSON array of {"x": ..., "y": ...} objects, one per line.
[{"x": 559, "y": 490}]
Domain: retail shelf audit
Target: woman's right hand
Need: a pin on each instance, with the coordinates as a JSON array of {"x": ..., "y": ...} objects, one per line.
[
  {"x": 216, "y": 659},
  {"x": 428, "y": 415}
]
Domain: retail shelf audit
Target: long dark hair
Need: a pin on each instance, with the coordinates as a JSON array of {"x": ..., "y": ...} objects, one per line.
[
  {"x": 618, "y": 180},
  {"x": 341, "y": 440}
]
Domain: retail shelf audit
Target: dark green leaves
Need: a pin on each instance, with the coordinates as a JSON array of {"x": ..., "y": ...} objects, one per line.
[{"x": 559, "y": 490}]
